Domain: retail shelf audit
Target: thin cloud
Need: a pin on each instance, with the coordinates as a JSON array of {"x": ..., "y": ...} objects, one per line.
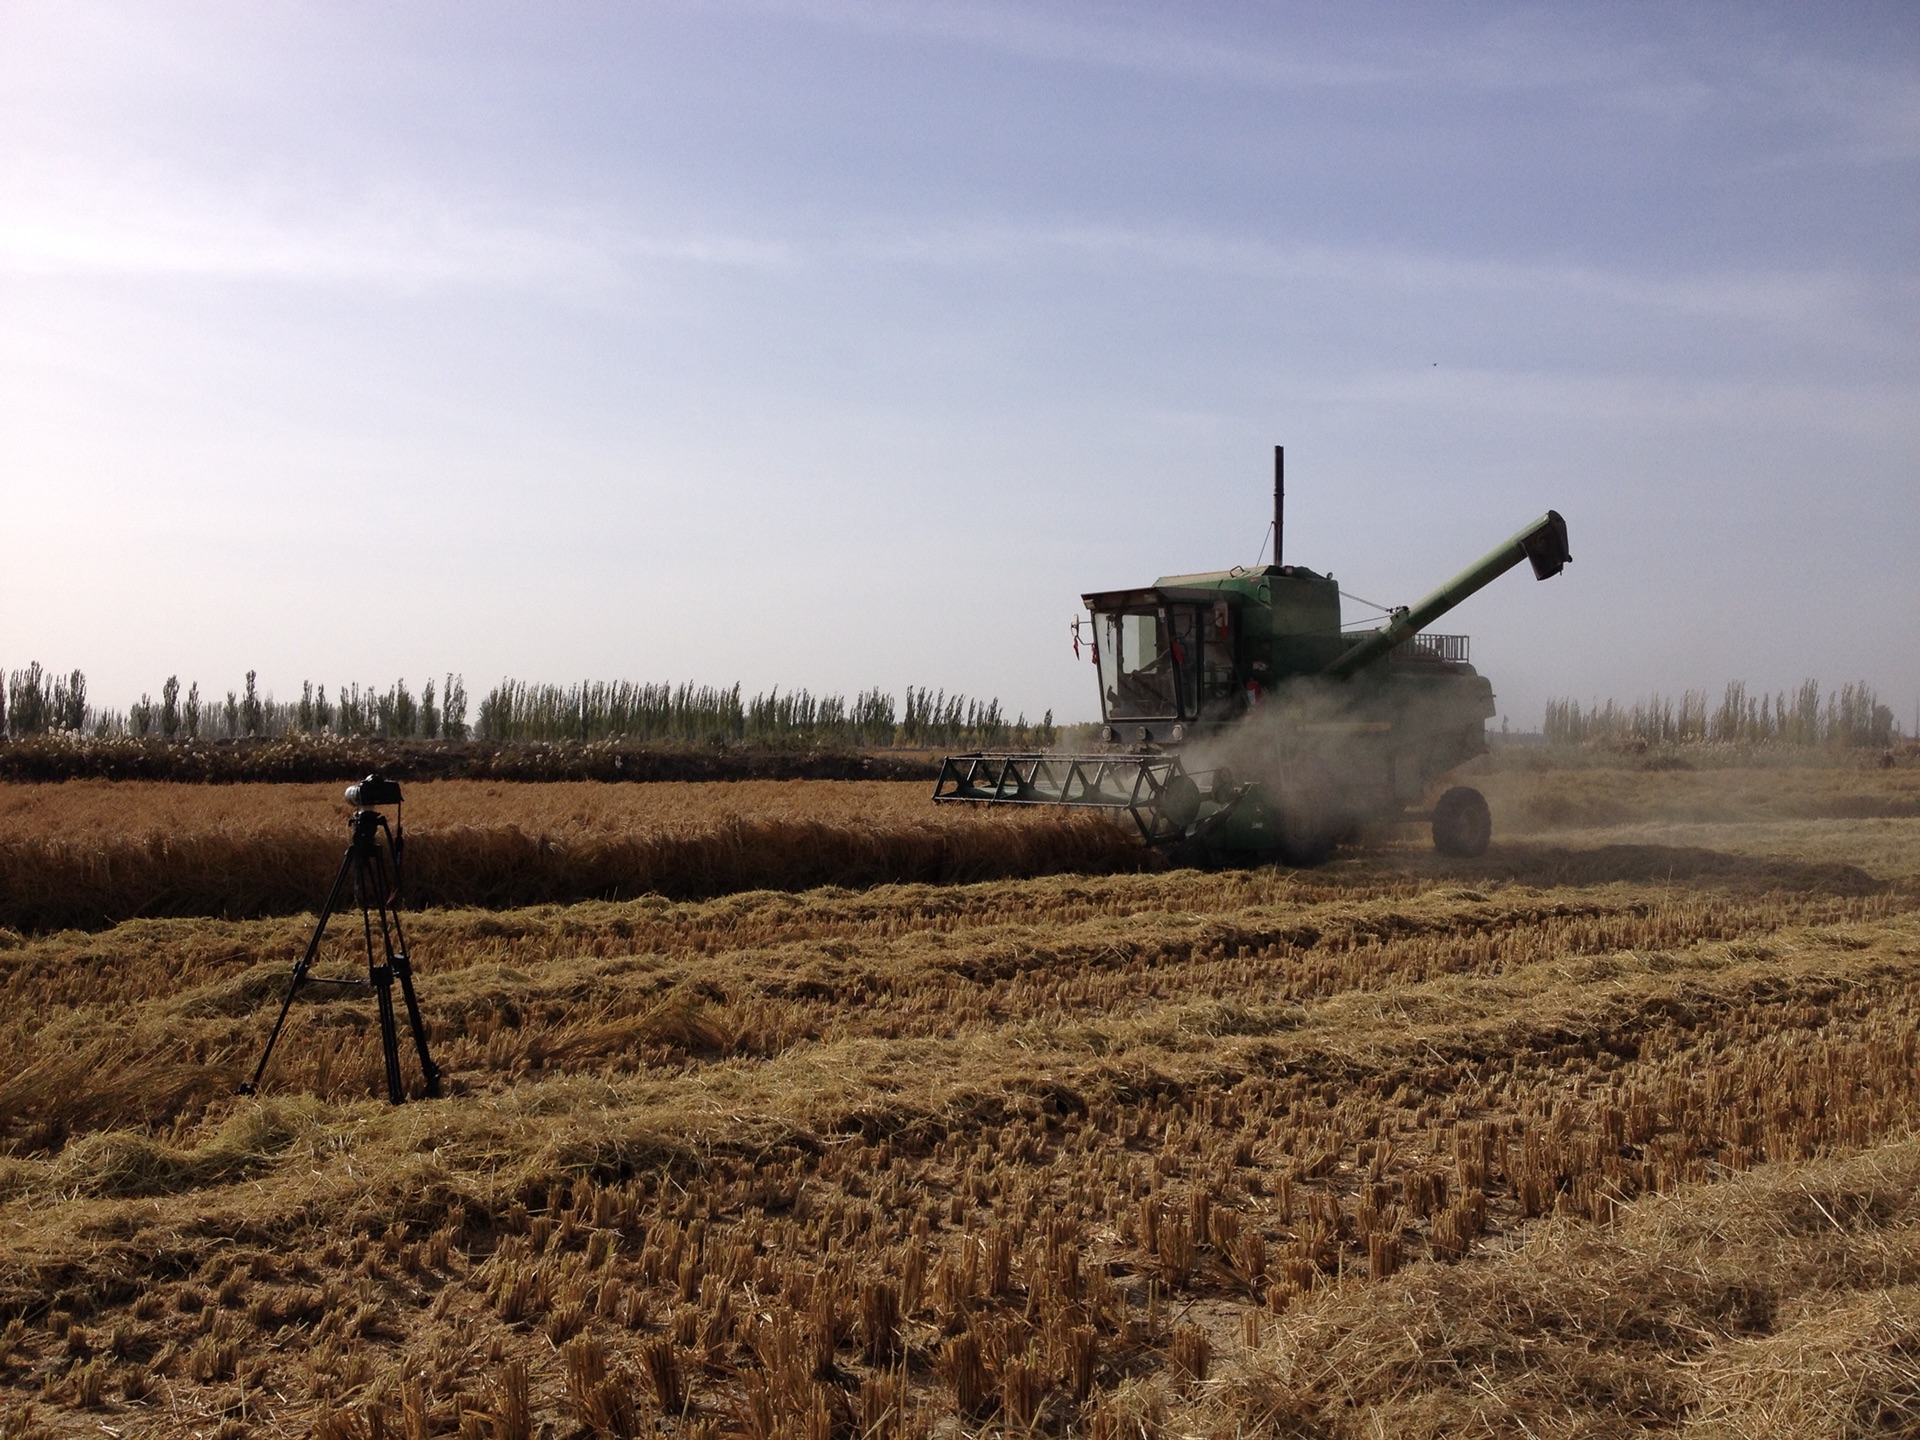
[
  {"x": 1858, "y": 411},
  {"x": 144, "y": 228},
  {"x": 1778, "y": 296},
  {"x": 1856, "y": 110},
  {"x": 414, "y": 240},
  {"x": 1121, "y": 40}
]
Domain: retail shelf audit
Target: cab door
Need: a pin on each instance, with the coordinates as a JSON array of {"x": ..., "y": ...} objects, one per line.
[{"x": 1188, "y": 645}]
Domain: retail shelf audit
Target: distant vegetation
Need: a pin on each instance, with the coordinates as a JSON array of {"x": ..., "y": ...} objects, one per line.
[
  {"x": 708, "y": 715},
  {"x": 37, "y": 702},
  {"x": 1849, "y": 717}
]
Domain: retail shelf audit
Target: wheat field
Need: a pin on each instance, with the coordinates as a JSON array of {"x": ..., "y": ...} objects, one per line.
[
  {"x": 1611, "y": 1132},
  {"x": 86, "y": 853},
  {"x": 89, "y": 853}
]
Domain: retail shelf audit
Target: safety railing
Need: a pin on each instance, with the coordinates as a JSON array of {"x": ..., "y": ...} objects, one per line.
[{"x": 1450, "y": 648}]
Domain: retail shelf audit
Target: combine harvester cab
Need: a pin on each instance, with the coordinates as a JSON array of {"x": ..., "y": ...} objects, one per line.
[{"x": 1246, "y": 723}]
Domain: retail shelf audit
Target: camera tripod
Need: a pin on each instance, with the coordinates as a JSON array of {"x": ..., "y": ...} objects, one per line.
[{"x": 366, "y": 862}]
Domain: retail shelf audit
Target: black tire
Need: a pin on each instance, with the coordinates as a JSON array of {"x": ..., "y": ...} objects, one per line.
[
  {"x": 1307, "y": 848},
  {"x": 1309, "y": 820},
  {"x": 1194, "y": 855},
  {"x": 1180, "y": 802},
  {"x": 1462, "y": 824}
]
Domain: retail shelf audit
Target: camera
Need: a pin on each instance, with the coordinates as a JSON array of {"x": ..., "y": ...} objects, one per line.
[{"x": 374, "y": 790}]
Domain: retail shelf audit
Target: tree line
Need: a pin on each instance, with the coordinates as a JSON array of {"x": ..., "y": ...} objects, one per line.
[
  {"x": 1850, "y": 717},
  {"x": 35, "y": 701}
]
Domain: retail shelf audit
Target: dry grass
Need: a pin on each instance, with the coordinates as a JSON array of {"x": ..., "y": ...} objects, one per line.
[
  {"x": 1529, "y": 801},
  {"x": 104, "y": 812},
  {"x": 88, "y": 853},
  {"x": 1569, "y": 1140},
  {"x": 1857, "y": 813},
  {"x": 1777, "y": 1303}
]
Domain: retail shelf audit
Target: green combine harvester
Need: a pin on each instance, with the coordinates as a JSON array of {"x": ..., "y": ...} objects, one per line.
[{"x": 1244, "y": 724}]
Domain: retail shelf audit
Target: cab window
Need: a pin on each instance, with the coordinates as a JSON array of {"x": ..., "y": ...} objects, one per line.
[{"x": 1138, "y": 675}]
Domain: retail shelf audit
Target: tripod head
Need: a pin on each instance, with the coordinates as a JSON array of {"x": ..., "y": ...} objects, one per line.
[
  {"x": 365, "y": 827},
  {"x": 367, "y": 823}
]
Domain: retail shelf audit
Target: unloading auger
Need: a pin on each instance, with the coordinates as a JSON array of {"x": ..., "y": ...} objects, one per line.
[{"x": 1244, "y": 719}]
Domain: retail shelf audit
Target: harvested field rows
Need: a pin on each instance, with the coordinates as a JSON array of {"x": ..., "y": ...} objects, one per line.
[
  {"x": 1528, "y": 800},
  {"x": 1553, "y": 1146}
]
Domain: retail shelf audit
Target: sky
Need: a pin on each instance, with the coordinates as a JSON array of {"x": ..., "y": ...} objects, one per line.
[{"x": 835, "y": 344}]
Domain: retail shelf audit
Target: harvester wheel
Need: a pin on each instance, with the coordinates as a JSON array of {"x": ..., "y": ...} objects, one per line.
[
  {"x": 1180, "y": 802},
  {"x": 1462, "y": 824},
  {"x": 1309, "y": 847},
  {"x": 1196, "y": 855},
  {"x": 1310, "y": 824}
]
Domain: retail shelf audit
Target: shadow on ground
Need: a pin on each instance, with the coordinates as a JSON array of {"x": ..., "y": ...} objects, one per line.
[{"x": 1529, "y": 863}]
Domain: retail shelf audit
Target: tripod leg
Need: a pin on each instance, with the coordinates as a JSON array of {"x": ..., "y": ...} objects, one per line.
[
  {"x": 403, "y": 967},
  {"x": 252, "y": 1087},
  {"x": 367, "y": 873},
  {"x": 390, "y": 1043}
]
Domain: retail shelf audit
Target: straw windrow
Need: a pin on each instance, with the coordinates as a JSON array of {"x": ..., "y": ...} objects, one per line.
[{"x": 1139, "y": 1155}]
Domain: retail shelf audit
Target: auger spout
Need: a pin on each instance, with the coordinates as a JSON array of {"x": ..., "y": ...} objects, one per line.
[{"x": 1544, "y": 542}]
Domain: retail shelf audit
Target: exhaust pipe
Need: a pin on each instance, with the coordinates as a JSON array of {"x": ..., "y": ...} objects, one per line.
[{"x": 1279, "y": 499}]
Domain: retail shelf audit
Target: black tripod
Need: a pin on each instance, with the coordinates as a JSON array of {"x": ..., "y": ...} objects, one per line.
[{"x": 366, "y": 862}]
